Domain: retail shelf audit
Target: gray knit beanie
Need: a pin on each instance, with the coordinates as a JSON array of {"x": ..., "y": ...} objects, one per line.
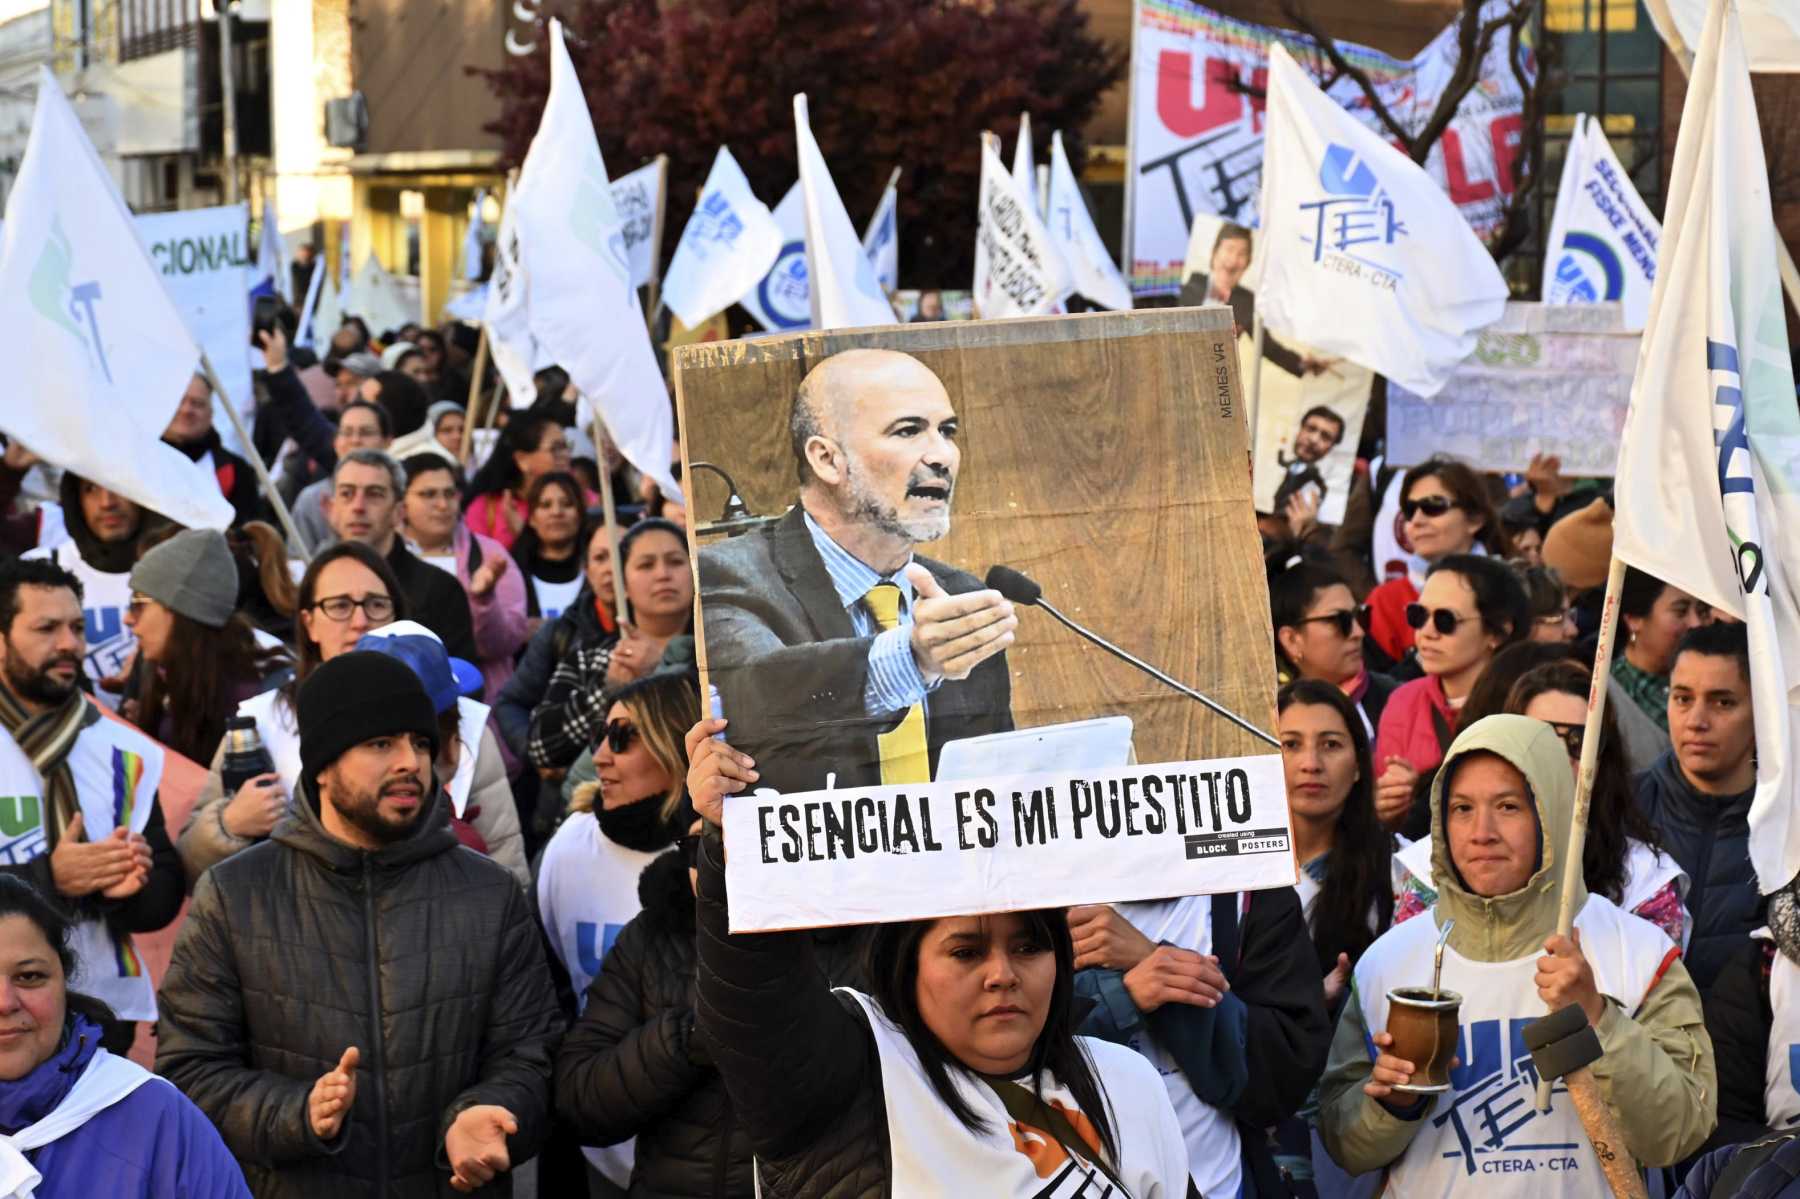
[{"x": 192, "y": 573}]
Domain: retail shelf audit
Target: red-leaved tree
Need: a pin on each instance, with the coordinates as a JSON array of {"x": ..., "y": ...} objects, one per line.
[{"x": 908, "y": 83}]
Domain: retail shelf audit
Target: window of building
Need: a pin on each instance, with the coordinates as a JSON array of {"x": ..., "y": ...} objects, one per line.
[{"x": 149, "y": 27}]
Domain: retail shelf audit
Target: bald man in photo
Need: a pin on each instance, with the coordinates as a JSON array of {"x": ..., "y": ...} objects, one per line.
[{"x": 836, "y": 647}]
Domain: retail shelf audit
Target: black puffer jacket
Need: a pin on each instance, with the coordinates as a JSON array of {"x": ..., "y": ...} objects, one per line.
[
  {"x": 632, "y": 1067},
  {"x": 423, "y": 955},
  {"x": 1709, "y": 837}
]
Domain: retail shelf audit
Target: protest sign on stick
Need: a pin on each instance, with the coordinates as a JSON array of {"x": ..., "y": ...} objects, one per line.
[
  {"x": 1048, "y": 772},
  {"x": 1307, "y": 430}
]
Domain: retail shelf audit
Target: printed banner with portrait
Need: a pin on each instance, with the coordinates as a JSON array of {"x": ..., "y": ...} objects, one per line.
[
  {"x": 931, "y": 740},
  {"x": 1197, "y": 80}
]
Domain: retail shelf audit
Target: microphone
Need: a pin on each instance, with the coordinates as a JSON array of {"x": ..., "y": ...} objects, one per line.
[{"x": 1022, "y": 589}]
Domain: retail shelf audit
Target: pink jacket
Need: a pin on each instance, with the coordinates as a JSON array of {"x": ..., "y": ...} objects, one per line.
[
  {"x": 1407, "y": 730},
  {"x": 499, "y": 616}
]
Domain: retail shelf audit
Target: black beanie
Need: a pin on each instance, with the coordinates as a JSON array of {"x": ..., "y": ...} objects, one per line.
[{"x": 356, "y": 697}]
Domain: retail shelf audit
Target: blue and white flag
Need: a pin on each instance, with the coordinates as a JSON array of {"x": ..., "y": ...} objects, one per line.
[
  {"x": 473, "y": 241},
  {"x": 271, "y": 257},
  {"x": 100, "y": 354},
  {"x": 576, "y": 277},
  {"x": 845, "y": 292},
  {"x": 1603, "y": 237},
  {"x": 730, "y": 243},
  {"x": 782, "y": 301},
  {"x": 881, "y": 240},
  {"x": 1708, "y": 489},
  {"x": 1072, "y": 231},
  {"x": 1361, "y": 252}
]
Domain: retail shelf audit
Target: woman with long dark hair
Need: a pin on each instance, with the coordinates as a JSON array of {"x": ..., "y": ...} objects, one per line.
[
  {"x": 548, "y": 549},
  {"x": 920, "y": 1086},
  {"x": 530, "y": 446},
  {"x": 199, "y": 658},
  {"x": 1346, "y": 857}
]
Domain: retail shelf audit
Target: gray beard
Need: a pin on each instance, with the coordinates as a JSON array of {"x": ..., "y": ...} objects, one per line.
[{"x": 867, "y": 508}]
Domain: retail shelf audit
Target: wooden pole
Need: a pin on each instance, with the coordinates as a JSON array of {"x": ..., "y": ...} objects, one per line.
[
  {"x": 479, "y": 368},
  {"x": 598, "y": 432},
  {"x": 256, "y": 463},
  {"x": 1590, "y": 756}
]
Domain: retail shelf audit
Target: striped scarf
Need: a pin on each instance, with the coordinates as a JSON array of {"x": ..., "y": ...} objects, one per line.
[{"x": 47, "y": 738}]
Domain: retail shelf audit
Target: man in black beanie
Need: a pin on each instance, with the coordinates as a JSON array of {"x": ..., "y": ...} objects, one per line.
[{"x": 358, "y": 1003}]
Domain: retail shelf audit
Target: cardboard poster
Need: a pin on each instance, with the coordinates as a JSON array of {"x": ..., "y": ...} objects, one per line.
[
  {"x": 912, "y": 767},
  {"x": 1307, "y": 430}
]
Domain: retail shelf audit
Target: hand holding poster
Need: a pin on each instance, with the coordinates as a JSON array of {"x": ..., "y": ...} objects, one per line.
[{"x": 890, "y": 763}]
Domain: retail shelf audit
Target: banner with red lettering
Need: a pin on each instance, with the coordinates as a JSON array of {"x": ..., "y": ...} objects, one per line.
[{"x": 1197, "y": 86}]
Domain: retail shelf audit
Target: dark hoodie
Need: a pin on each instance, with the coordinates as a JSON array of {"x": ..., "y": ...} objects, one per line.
[
  {"x": 108, "y": 557},
  {"x": 422, "y": 954},
  {"x": 1709, "y": 836}
]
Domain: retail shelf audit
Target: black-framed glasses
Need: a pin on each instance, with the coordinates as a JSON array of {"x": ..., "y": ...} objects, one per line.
[
  {"x": 1343, "y": 620},
  {"x": 618, "y": 735},
  {"x": 378, "y": 608},
  {"x": 1430, "y": 505},
  {"x": 1442, "y": 619},
  {"x": 1571, "y": 734}
]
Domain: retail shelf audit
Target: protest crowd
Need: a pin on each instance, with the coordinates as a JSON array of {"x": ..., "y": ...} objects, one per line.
[{"x": 364, "y": 830}]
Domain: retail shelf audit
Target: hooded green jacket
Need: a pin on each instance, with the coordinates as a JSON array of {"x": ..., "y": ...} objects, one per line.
[{"x": 1658, "y": 1057}]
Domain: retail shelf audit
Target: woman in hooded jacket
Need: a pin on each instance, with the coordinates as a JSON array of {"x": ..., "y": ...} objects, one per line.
[{"x": 1500, "y": 818}]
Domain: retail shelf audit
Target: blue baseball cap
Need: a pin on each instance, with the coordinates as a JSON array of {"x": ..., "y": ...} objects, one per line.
[{"x": 446, "y": 678}]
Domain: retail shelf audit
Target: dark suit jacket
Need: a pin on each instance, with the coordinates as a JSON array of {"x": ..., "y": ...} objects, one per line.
[
  {"x": 1292, "y": 481},
  {"x": 791, "y": 670}
]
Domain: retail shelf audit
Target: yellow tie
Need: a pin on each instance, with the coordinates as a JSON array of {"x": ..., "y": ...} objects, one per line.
[{"x": 904, "y": 755}]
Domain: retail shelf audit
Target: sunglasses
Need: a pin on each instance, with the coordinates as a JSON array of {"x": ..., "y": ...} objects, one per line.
[
  {"x": 1571, "y": 735},
  {"x": 1343, "y": 620},
  {"x": 618, "y": 735},
  {"x": 1442, "y": 619},
  {"x": 1430, "y": 505}
]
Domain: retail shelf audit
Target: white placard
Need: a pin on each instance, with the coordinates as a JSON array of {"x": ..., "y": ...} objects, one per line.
[
  {"x": 204, "y": 258},
  {"x": 1008, "y": 843}
]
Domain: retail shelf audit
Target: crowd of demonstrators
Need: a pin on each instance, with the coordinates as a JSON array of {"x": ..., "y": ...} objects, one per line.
[
  {"x": 530, "y": 446},
  {"x": 548, "y": 548}
]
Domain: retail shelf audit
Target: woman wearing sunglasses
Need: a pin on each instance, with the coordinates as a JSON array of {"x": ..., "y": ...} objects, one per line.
[
  {"x": 1470, "y": 609},
  {"x": 589, "y": 888},
  {"x": 1444, "y": 511},
  {"x": 347, "y": 591},
  {"x": 1623, "y": 857},
  {"x": 1319, "y": 635}
]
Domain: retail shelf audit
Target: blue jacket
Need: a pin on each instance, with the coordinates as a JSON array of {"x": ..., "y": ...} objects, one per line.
[{"x": 151, "y": 1144}]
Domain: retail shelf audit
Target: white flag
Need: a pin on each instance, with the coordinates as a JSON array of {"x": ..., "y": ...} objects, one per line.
[
  {"x": 583, "y": 307},
  {"x": 271, "y": 254},
  {"x": 304, "y": 334},
  {"x": 100, "y": 354},
  {"x": 1024, "y": 169},
  {"x": 881, "y": 240},
  {"x": 638, "y": 196},
  {"x": 1708, "y": 489},
  {"x": 782, "y": 301},
  {"x": 507, "y": 314},
  {"x": 1603, "y": 238},
  {"x": 845, "y": 292},
  {"x": 1072, "y": 231},
  {"x": 472, "y": 241},
  {"x": 1361, "y": 253},
  {"x": 1771, "y": 29},
  {"x": 729, "y": 244},
  {"x": 379, "y": 298},
  {"x": 1017, "y": 270}
]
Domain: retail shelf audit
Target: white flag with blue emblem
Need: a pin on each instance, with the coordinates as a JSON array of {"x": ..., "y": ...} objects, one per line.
[
  {"x": 576, "y": 277},
  {"x": 271, "y": 257},
  {"x": 730, "y": 243},
  {"x": 1603, "y": 237},
  {"x": 100, "y": 355},
  {"x": 1361, "y": 254},
  {"x": 782, "y": 300},
  {"x": 1072, "y": 230},
  {"x": 474, "y": 239},
  {"x": 1708, "y": 489},
  {"x": 845, "y": 292},
  {"x": 881, "y": 240}
]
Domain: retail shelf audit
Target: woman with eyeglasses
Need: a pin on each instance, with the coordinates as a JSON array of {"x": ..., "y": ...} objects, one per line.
[
  {"x": 1623, "y": 857},
  {"x": 1319, "y": 635},
  {"x": 1653, "y": 615},
  {"x": 1445, "y": 510},
  {"x": 1470, "y": 609},
  {"x": 588, "y": 889},
  {"x": 347, "y": 591},
  {"x": 548, "y": 551},
  {"x": 531, "y": 445}
]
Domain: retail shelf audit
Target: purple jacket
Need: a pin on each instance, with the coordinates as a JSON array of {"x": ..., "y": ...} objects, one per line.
[{"x": 150, "y": 1144}]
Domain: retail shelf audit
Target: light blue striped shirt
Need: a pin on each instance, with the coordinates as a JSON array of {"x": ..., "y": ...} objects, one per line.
[{"x": 895, "y": 682}]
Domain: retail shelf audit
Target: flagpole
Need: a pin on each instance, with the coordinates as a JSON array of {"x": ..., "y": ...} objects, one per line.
[
  {"x": 1254, "y": 392},
  {"x": 1684, "y": 57},
  {"x": 256, "y": 463},
  {"x": 1590, "y": 757},
  {"x": 478, "y": 369},
  {"x": 653, "y": 297},
  {"x": 598, "y": 432}
]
